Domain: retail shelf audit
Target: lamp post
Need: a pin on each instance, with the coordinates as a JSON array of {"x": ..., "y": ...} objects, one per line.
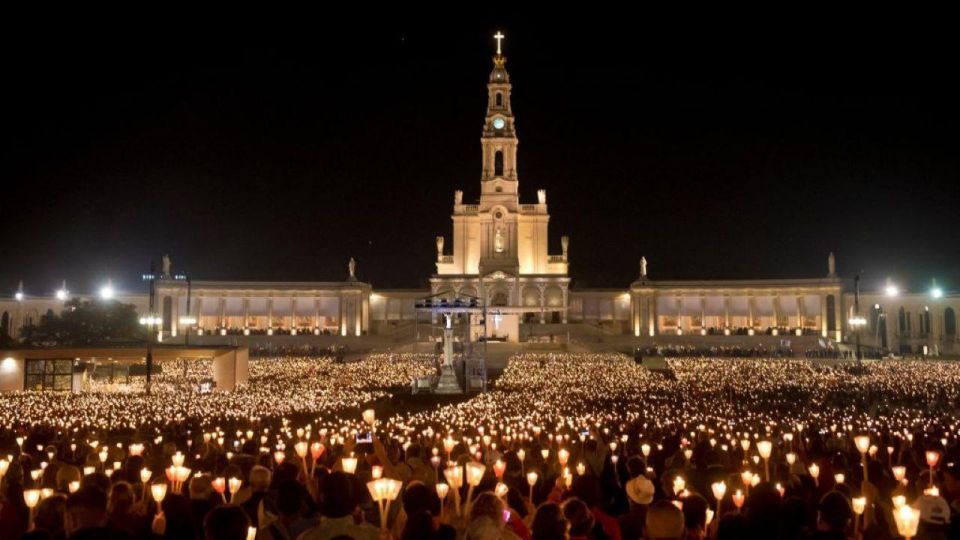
[
  {"x": 150, "y": 321},
  {"x": 62, "y": 293},
  {"x": 19, "y": 296}
]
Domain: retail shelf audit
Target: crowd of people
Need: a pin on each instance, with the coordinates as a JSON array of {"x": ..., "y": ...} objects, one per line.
[
  {"x": 589, "y": 446},
  {"x": 726, "y": 351}
]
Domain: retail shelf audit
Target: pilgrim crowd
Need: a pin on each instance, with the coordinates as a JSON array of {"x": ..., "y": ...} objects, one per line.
[{"x": 579, "y": 446}]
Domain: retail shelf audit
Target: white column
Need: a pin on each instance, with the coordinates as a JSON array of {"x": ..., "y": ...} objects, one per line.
[
  {"x": 654, "y": 316},
  {"x": 703, "y": 312},
  {"x": 542, "y": 305},
  {"x": 270, "y": 315},
  {"x": 776, "y": 311},
  {"x": 799, "y": 311},
  {"x": 726, "y": 311},
  {"x": 566, "y": 303},
  {"x": 823, "y": 315},
  {"x": 293, "y": 316},
  {"x": 174, "y": 315}
]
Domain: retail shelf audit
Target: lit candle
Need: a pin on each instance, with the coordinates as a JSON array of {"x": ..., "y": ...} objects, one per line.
[{"x": 738, "y": 499}]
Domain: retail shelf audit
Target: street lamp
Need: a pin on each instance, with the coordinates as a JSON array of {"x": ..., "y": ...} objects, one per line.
[
  {"x": 107, "y": 292},
  {"x": 62, "y": 292},
  {"x": 935, "y": 291},
  {"x": 891, "y": 290},
  {"x": 151, "y": 320},
  {"x": 19, "y": 294}
]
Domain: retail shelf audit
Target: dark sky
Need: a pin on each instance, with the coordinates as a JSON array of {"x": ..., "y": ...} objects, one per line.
[{"x": 275, "y": 151}]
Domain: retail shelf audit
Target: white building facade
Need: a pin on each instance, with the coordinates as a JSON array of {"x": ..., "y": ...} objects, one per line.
[{"x": 498, "y": 256}]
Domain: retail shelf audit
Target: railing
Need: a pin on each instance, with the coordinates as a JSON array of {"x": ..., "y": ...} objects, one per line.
[
  {"x": 530, "y": 208},
  {"x": 446, "y": 259},
  {"x": 555, "y": 259},
  {"x": 468, "y": 208}
]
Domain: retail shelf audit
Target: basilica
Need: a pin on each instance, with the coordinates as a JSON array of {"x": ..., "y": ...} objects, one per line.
[{"x": 495, "y": 273}]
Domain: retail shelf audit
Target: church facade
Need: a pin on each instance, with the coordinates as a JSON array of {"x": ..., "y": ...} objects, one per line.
[
  {"x": 497, "y": 257},
  {"x": 499, "y": 253}
]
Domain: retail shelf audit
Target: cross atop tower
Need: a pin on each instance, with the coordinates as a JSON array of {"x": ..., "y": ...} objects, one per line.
[{"x": 499, "y": 37}]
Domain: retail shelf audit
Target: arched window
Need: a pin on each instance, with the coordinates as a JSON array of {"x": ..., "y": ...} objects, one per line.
[
  {"x": 949, "y": 322},
  {"x": 902, "y": 320},
  {"x": 5, "y": 324},
  {"x": 498, "y": 163},
  {"x": 924, "y": 319},
  {"x": 499, "y": 99}
]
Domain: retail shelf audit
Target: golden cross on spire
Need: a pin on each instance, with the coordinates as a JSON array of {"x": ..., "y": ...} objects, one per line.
[{"x": 499, "y": 37}]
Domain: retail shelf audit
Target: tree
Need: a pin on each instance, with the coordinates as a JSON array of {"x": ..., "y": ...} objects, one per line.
[{"x": 85, "y": 322}]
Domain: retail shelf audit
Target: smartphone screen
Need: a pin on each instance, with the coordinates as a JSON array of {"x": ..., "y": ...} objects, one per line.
[
  {"x": 364, "y": 437},
  {"x": 506, "y": 516}
]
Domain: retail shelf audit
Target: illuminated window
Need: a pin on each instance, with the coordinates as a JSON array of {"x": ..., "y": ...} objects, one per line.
[{"x": 49, "y": 374}]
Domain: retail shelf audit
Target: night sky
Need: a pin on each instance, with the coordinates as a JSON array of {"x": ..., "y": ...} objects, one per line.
[{"x": 277, "y": 152}]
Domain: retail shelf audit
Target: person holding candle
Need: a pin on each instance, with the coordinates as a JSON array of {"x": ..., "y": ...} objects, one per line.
[
  {"x": 549, "y": 523},
  {"x": 421, "y": 506},
  {"x": 86, "y": 515},
  {"x": 123, "y": 514},
  {"x": 200, "y": 490},
  {"x": 639, "y": 491},
  {"x": 290, "y": 503},
  {"x": 951, "y": 493},
  {"x": 583, "y": 526},
  {"x": 664, "y": 522},
  {"x": 339, "y": 494},
  {"x": 588, "y": 489},
  {"x": 695, "y": 516},
  {"x": 934, "y": 518},
  {"x": 487, "y": 519},
  {"x": 260, "y": 478},
  {"x": 834, "y": 516},
  {"x": 226, "y": 522},
  {"x": 48, "y": 519}
]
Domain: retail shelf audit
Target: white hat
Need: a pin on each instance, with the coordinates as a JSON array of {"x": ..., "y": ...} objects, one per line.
[
  {"x": 640, "y": 490},
  {"x": 933, "y": 509}
]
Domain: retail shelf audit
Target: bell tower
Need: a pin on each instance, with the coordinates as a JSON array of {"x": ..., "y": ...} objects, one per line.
[{"x": 498, "y": 181}]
